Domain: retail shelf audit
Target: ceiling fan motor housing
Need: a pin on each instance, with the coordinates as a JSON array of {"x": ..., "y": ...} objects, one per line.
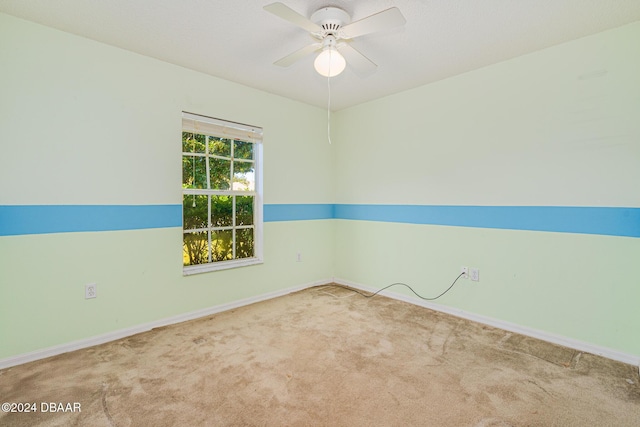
[{"x": 331, "y": 19}]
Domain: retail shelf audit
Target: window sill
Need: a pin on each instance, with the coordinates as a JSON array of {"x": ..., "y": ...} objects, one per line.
[{"x": 221, "y": 265}]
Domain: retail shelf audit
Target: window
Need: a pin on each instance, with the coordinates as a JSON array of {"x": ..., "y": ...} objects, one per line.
[{"x": 221, "y": 194}]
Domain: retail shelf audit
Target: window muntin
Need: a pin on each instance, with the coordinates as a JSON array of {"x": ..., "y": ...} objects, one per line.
[{"x": 222, "y": 207}]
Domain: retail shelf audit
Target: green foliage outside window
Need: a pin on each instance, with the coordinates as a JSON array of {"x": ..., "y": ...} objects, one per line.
[{"x": 217, "y": 221}]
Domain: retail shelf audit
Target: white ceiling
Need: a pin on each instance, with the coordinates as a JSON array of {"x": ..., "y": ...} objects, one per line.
[{"x": 239, "y": 41}]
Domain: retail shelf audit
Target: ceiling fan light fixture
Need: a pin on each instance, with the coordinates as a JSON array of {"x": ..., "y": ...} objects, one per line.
[{"x": 330, "y": 62}]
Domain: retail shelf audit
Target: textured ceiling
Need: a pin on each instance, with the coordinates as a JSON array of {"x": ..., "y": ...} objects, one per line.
[{"x": 239, "y": 41}]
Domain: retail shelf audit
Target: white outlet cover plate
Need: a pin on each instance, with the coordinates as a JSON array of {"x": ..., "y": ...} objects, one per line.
[
  {"x": 465, "y": 272},
  {"x": 90, "y": 291}
]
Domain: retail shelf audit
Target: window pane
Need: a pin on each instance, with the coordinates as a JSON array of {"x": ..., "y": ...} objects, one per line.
[
  {"x": 195, "y": 248},
  {"x": 194, "y": 212},
  {"x": 220, "y": 172},
  {"x": 243, "y": 150},
  {"x": 219, "y": 220},
  {"x": 244, "y": 243},
  {"x": 221, "y": 211},
  {"x": 221, "y": 242},
  {"x": 244, "y": 210},
  {"x": 193, "y": 143},
  {"x": 219, "y": 146},
  {"x": 244, "y": 177},
  {"x": 194, "y": 172}
]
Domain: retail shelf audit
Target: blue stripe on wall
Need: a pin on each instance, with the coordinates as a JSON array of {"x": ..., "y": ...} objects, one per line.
[
  {"x": 40, "y": 219},
  {"x": 297, "y": 212},
  {"x": 584, "y": 220}
]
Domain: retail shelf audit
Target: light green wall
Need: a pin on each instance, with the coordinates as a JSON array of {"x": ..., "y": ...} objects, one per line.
[
  {"x": 542, "y": 129},
  {"x": 112, "y": 117},
  {"x": 558, "y": 127},
  {"x": 139, "y": 277},
  {"x": 571, "y": 285},
  {"x": 86, "y": 123}
]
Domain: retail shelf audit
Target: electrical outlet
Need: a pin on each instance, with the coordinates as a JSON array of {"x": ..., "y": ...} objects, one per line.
[
  {"x": 90, "y": 291},
  {"x": 475, "y": 274},
  {"x": 299, "y": 259},
  {"x": 465, "y": 272}
]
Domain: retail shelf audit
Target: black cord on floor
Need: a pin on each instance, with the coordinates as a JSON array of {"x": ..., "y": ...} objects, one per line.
[{"x": 403, "y": 284}]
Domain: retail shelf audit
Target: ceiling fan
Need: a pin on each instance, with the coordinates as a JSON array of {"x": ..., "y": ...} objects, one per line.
[{"x": 333, "y": 29}]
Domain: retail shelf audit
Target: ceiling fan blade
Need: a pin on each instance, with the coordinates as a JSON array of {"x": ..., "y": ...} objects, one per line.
[
  {"x": 360, "y": 63},
  {"x": 285, "y": 12},
  {"x": 298, "y": 55},
  {"x": 389, "y": 18}
]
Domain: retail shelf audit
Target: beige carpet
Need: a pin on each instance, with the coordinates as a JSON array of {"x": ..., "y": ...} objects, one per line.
[{"x": 326, "y": 357}]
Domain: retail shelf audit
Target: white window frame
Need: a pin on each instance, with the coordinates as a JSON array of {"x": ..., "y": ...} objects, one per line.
[{"x": 236, "y": 131}]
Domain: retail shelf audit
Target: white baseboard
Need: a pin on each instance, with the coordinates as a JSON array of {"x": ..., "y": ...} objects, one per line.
[
  {"x": 123, "y": 333},
  {"x": 511, "y": 327}
]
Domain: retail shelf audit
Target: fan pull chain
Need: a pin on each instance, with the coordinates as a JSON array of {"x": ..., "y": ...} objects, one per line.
[{"x": 329, "y": 100}]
